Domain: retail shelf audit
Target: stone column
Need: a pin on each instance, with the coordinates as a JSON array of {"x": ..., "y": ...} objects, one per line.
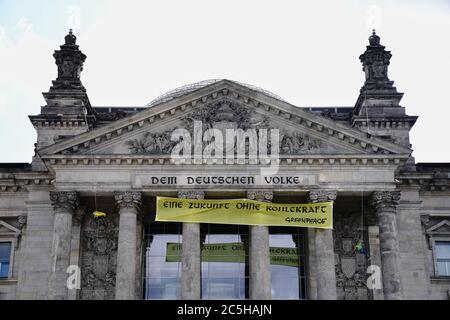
[
  {"x": 75, "y": 246},
  {"x": 259, "y": 254},
  {"x": 385, "y": 203},
  {"x": 64, "y": 206},
  {"x": 324, "y": 252},
  {"x": 373, "y": 235},
  {"x": 190, "y": 254},
  {"x": 129, "y": 203}
]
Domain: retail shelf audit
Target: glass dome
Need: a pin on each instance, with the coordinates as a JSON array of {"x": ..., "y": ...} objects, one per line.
[{"x": 180, "y": 91}]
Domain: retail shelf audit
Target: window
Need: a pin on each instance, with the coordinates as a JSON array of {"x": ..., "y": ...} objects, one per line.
[
  {"x": 287, "y": 260},
  {"x": 5, "y": 256},
  {"x": 162, "y": 278},
  {"x": 442, "y": 250},
  {"x": 224, "y": 256}
]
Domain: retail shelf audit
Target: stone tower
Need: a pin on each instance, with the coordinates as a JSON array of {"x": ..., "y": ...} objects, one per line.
[
  {"x": 377, "y": 110},
  {"x": 68, "y": 111}
]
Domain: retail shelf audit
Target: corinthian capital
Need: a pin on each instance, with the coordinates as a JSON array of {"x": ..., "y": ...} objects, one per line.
[
  {"x": 260, "y": 195},
  {"x": 128, "y": 199},
  {"x": 67, "y": 200},
  {"x": 315, "y": 196},
  {"x": 385, "y": 199},
  {"x": 191, "y": 195}
]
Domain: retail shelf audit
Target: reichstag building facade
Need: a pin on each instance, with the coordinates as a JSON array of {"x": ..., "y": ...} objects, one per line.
[{"x": 78, "y": 222}]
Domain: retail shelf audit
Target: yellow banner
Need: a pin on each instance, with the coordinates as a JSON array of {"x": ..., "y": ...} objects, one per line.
[
  {"x": 234, "y": 253},
  {"x": 245, "y": 212}
]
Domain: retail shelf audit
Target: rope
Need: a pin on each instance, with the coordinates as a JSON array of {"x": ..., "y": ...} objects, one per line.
[
  {"x": 97, "y": 222},
  {"x": 360, "y": 241},
  {"x": 94, "y": 184}
]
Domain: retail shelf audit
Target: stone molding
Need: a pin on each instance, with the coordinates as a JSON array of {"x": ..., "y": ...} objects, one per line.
[
  {"x": 382, "y": 200},
  {"x": 66, "y": 200},
  {"x": 315, "y": 196},
  {"x": 284, "y": 159},
  {"x": 264, "y": 196},
  {"x": 128, "y": 199},
  {"x": 22, "y": 181},
  {"x": 59, "y": 123},
  {"x": 22, "y": 220},
  {"x": 426, "y": 181},
  {"x": 191, "y": 195}
]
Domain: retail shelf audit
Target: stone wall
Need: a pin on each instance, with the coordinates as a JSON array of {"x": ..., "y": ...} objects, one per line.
[
  {"x": 435, "y": 208},
  {"x": 415, "y": 281},
  {"x": 13, "y": 212},
  {"x": 36, "y": 260}
]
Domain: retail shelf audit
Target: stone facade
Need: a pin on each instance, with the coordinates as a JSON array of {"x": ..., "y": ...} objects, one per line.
[{"x": 389, "y": 212}]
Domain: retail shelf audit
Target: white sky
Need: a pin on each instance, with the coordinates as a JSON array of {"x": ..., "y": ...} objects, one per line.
[{"x": 306, "y": 52}]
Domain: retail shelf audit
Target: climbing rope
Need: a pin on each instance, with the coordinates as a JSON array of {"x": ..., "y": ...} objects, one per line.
[{"x": 360, "y": 247}]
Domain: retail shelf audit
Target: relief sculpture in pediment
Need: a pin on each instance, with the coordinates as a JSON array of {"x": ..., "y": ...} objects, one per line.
[
  {"x": 298, "y": 143},
  {"x": 225, "y": 115},
  {"x": 222, "y": 116},
  {"x": 152, "y": 143}
]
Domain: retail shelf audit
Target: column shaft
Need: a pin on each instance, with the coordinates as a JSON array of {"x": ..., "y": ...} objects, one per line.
[
  {"x": 64, "y": 204},
  {"x": 260, "y": 273},
  {"x": 190, "y": 262},
  {"x": 190, "y": 254},
  {"x": 325, "y": 264},
  {"x": 385, "y": 205},
  {"x": 324, "y": 252},
  {"x": 259, "y": 255},
  {"x": 129, "y": 203},
  {"x": 75, "y": 248}
]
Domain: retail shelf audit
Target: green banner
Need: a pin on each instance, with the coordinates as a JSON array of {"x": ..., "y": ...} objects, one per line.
[
  {"x": 245, "y": 212},
  {"x": 234, "y": 252}
]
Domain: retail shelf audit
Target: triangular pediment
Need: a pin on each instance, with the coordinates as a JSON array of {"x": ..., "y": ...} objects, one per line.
[
  {"x": 224, "y": 105},
  {"x": 7, "y": 229},
  {"x": 439, "y": 228}
]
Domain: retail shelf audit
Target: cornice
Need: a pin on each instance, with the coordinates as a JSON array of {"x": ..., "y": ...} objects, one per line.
[
  {"x": 21, "y": 182},
  {"x": 401, "y": 122},
  {"x": 59, "y": 122},
  {"x": 426, "y": 181},
  {"x": 137, "y": 159}
]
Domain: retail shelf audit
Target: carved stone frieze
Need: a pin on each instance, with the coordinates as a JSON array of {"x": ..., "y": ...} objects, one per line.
[
  {"x": 299, "y": 143},
  {"x": 221, "y": 116},
  {"x": 152, "y": 143},
  {"x": 99, "y": 257},
  {"x": 351, "y": 264},
  {"x": 225, "y": 111}
]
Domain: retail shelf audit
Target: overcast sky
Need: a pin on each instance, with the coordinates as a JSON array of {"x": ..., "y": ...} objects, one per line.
[{"x": 304, "y": 51}]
